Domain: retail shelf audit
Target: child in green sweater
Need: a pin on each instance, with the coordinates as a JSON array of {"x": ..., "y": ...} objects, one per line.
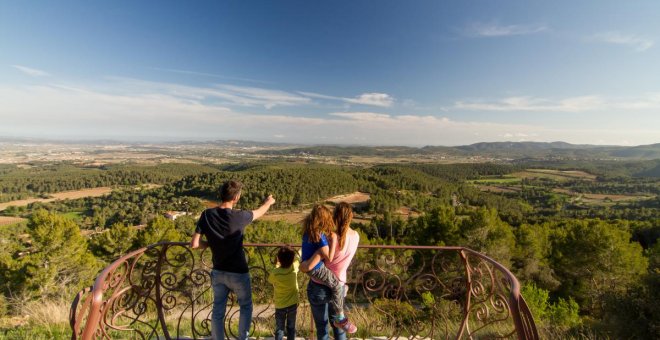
[{"x": 285, "y": 284}]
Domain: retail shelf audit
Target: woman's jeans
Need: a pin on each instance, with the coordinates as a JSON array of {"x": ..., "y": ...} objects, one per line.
[
  {"x": 223, "y": 283},
  {"x": 326, "y": 277},
  {"x": 319, "y": 297}
]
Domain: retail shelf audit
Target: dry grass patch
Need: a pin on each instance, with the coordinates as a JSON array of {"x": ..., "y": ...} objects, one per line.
[
  {"x": 42, "y": 312},
  {"x": 7, "y": 220},
  {"x": 406, "y": 212},
  {"x": 289, "y": 217},
  {"x": 352, "y": 198}
]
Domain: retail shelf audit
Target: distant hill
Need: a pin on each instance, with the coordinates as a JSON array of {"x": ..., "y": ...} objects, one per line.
[
  {"x": 651, "y": 151},
  {"x": 499, "y": 146},
  {"x": 506, "y": 150},
  {"x": 338, "y": 151}
]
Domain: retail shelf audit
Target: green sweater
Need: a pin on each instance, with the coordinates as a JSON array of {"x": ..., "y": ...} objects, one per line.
[{"x": 285, "y": 284}]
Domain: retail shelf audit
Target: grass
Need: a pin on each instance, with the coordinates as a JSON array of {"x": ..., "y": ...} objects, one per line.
[
  {"x": 44, "y": 319},
  {"x": 74, "y": 215},
  {"x": 497, "y": 180},
  {"x": 37, "y": 332}
]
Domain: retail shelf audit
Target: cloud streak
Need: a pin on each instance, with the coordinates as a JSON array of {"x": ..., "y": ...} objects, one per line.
[
  {"x": 33, "y": 72},
  {"x": 570, "y": 104},
  {"x": 212, "y": 75},
  {"x": 371, "y": 99},
  {"x": 638, "y": 43},
  {"x": 493, "y": 30}
]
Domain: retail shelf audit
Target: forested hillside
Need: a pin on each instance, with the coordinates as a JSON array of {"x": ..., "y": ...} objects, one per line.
[{"x": 40, "y": 179}]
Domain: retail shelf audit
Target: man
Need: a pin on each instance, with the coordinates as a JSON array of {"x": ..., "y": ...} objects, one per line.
[{"x": 224, "y": 227}]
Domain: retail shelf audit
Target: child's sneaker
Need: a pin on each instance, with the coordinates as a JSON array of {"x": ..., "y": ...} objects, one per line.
[{"x": 346, "y": 325}]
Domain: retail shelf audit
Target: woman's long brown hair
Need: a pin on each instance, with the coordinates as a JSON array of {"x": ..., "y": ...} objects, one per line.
[
  {"x": 342, "y": 216},
  {"x": 319, "y": 221}
]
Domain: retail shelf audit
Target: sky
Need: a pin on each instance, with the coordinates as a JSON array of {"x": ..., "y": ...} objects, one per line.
[{"x": 353, "y": 72}]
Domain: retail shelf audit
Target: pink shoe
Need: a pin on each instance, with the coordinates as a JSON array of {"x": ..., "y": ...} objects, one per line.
[{"x": 346, "y": 325}]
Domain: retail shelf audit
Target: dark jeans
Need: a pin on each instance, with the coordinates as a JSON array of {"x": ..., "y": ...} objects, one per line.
[
  {"x": 319, "y": 297},
  {"x": 285, "y": 318},
  {"x": 223, "y": 283}
]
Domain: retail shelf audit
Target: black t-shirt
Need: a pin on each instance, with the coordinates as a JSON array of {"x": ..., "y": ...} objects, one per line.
[{"x": 224, "y": 229}]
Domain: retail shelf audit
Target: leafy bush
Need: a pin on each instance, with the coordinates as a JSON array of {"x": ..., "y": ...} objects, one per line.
[{"x": 561, "y": 314}]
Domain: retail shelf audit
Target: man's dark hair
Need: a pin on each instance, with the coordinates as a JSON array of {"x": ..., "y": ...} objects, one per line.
[
  {"x": 230, "y": 190},
  {"x": 285, "y": 256}
]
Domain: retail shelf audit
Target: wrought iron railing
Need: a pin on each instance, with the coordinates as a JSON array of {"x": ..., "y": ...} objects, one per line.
[{"x": 163, "y": 291}]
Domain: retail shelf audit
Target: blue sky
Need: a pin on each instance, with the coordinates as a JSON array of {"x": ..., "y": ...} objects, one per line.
[{"x": 340, "y": 72}]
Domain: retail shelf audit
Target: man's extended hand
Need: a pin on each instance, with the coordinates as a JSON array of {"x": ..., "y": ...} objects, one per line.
[{"x": 263, "y": 208}]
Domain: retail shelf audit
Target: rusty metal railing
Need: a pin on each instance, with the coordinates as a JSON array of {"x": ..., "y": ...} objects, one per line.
[{"x": 163, "y": 291}]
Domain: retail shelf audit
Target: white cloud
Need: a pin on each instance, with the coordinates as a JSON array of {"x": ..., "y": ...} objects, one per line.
[
  {"x": 572, "y": 104},
  {"x": 248, "y": 96},
  {"x": 212, "y": 75},
  {"x": 519, "y": 135},
  {"x": 375, "y": 99},
  {"x": 266, "y": 97},
  {"x": 362, "y": 116},
  {"x": 33, "y": 72},
  {"x": 372, "y": 99},
  {"x": 648, "y": 101},
  {"x": 224, "y": 94},
  {"x": 490, "y": 30},
  {"x": 638, "y": 43}
]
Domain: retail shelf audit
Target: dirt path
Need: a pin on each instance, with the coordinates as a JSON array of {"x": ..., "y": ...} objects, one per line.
[
  {"x": 352, "y": 198},
  {"x": 355, "y": 198}
]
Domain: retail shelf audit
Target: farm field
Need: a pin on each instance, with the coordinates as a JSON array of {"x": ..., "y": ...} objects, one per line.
[
  {"x": 499, "y": 188},
  {"x": 557, "y": 175},
  {"x": 602, "y": 198},
  {"x": 94, "y": 192},
  {"x": 71, "y": 195},
  {"x": 557, "y": 182}
]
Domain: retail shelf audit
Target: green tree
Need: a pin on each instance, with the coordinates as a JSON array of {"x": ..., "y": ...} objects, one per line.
[
  {"x": 593, "y": 258},
  {"x": 439, "y": 226},
  {"x": 563, "y": 314},
  {"x": 114, "y": 242},
  {"x": 635, "y": 313},
  {"x": 484, "y": 231},
  {"x": 59, "y": 262},
  {"x": 158, "y": 230},
  {"x": 532, "y": 253},
  {"x": 185, "y": 225}
]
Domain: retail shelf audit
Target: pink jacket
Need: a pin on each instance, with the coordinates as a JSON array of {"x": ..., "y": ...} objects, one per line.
[{"x": 343, "y": 257}]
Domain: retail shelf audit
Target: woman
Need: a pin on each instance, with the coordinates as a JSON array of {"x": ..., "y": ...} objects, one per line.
[{"x": 319, "y": 296}]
